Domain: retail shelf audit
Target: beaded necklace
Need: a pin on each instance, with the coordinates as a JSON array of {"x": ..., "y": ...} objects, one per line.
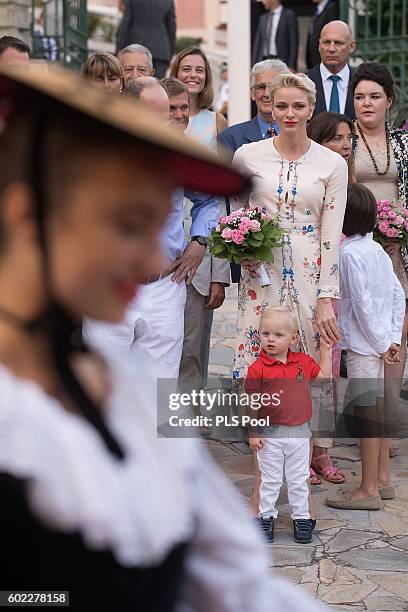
[{"x": 387, "y": 138}]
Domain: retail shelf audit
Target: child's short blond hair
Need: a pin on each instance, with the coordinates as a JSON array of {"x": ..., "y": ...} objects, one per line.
[{"x": 269, "y": 312}]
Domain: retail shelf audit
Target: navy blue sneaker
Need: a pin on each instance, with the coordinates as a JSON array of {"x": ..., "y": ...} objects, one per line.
[
  {"x": 303, "y": 530},
  {"x": 267, "y": 526}
]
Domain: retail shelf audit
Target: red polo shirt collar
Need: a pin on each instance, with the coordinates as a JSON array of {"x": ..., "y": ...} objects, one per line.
[{"x": 268, "y": 360}]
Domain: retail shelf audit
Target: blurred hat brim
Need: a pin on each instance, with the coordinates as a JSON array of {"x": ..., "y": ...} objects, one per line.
[{"x": 193, "y": 165}]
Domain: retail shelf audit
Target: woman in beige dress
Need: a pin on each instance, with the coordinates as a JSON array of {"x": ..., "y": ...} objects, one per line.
[
  {"x": 381, "y": 164},
  {"x": 304, "y": 186}
]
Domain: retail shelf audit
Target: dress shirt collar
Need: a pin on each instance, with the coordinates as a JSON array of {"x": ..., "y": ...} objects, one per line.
[
  {"x": 344, "y": 74},
  {"x": 320, "y": 7},
  {"x": 264, "y": 126},
  {"x": 368, "y": 237}
]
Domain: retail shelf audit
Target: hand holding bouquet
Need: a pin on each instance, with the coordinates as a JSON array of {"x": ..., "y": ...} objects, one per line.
[
  {"x": 247, "y": 233},
  {"x": 392, "y": 223}
]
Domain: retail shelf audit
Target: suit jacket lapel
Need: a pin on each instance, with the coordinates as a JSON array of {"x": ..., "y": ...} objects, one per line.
[
  {"x": 320, "y": 99},
  {"x": 281, "y": 22}
]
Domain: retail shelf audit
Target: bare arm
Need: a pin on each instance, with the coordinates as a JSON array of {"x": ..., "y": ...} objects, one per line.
[{"x": 325, "y": 360}]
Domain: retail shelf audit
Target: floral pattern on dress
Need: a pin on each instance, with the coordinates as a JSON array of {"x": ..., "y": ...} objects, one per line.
[
  {"x": 312, "y": 270},
  {"x": 334, "y": 270},
  {"x": 316, "y": 193}
]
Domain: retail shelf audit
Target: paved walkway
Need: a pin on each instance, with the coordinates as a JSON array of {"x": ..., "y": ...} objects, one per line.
[{"x": 358, "y": 560}]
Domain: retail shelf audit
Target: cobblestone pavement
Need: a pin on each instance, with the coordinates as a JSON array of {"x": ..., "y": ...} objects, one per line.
[{"x": 358, "y": 560}]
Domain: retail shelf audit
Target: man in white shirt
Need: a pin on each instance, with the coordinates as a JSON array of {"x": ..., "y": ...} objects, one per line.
[
  {"x": 277, "y": 36},
  {"x": 332, "y": 76}
]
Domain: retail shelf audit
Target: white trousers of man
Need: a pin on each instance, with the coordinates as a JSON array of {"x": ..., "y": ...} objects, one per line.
[
  {"x": 152, "y": 330},
  {"x": 289, "y": 456}
]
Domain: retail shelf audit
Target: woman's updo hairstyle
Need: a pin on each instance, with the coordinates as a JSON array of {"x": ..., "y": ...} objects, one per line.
[
  {"x": 301, "y": 81},
  {"x": 373, "y": 71}
]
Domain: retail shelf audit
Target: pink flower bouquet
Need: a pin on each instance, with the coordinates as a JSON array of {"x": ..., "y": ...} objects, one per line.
[
  {"x": 392, "y": 223},
  {"x": 246, "y": 233}
]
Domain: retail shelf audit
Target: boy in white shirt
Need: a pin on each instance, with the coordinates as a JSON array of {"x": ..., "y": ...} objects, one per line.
[{"x": 372, "y": 309}]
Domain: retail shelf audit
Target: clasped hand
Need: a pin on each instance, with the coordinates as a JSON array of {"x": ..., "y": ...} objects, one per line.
[{"x": 392, "y": 355}]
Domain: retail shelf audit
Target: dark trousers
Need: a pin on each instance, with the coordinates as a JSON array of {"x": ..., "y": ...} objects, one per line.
[{"x": 160, "y": 67}]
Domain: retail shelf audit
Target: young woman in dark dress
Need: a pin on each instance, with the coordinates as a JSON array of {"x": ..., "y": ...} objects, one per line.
[{"x": 92, "y": 501}]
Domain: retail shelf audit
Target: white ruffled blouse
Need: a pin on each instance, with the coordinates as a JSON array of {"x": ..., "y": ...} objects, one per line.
[{"x": 164, "y": 493}]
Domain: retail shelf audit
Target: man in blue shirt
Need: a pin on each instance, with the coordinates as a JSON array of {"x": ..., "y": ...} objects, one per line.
[{"x": 154, "y": 324}]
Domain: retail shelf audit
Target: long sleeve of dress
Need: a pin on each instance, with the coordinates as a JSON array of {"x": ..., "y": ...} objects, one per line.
[{"x": 334, "y": 206}]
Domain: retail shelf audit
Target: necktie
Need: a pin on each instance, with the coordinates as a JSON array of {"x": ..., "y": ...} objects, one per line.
[
  {"x": 334, "y": 96},
  {"x": 268, "y": 33},
  {"x": 269, "y": 133}
]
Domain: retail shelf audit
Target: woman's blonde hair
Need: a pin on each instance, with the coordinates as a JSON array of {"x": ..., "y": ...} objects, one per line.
[
  {"x": 206, "y": 97},
  {"x": 301, "y": 81},
  {"x": 100, "y": 65}
]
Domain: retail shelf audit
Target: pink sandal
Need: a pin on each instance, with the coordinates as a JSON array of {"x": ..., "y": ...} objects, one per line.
[
  {"x": 313, "y": 474},
  {"x": 330, "y": 472}
]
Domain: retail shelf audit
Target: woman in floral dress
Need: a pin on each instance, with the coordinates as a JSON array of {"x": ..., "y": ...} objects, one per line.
[{"x": 304, "y": 185}]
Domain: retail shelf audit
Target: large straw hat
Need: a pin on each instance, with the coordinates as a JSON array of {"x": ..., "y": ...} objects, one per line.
[{"x": 194, "y": 166}]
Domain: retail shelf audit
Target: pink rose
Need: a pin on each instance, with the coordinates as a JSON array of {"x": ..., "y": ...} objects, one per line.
[
  {"x": 225, "y": 220},
  {"x": 392, "y": 233},
  {"x": 384, "y": 226},
  {"x": 254, "y": 226},
  {"x": 227, "y": 234},
  {"x": 391, "y": 214},
  {"x": 245, "y": 225},
  {"x": 237, "y": 213},
  {"x": 383, "y": 215},
  {"x": 399, "y": 220},
  {"x": 406, "y": 225},
  {"x": 237, "y": 237}
]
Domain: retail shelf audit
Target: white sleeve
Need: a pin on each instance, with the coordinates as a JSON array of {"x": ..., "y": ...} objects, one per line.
[
  {"x": 398, "y": 311},
  {"x": 331, "y": 223},
  {"x": 355, "y": 276},
  {"x": 227, "y": 568}
]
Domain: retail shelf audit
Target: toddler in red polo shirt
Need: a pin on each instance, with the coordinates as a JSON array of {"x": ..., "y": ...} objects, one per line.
[{"x": 284, "y": 446}]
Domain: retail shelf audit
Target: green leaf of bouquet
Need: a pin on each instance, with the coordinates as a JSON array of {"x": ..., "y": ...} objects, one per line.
[
  {"x": 264, "y": 253},
  {"x": 218, "y": 250}
]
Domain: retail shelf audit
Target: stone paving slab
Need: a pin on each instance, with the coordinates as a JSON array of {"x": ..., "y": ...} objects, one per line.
[{"x": 358, "y": 560}]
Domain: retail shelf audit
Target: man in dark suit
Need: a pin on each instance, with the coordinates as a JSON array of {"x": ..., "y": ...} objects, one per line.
[
  {"x": 333, "y": 75},
  {"x": 151, "y": 23},
  {"x": 277, "y": 36},
  {"x": 260, "y": 127},
  {"x": 326, "y": 11}
]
